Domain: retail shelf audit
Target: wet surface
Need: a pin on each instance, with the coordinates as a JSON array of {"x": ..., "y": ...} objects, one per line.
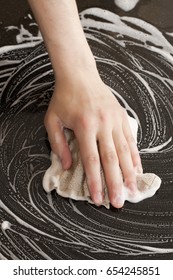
[{"x": 135, "y": 59}]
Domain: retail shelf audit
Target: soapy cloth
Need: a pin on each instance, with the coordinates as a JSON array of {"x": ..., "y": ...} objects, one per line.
[{"x": 72, "y": 183}]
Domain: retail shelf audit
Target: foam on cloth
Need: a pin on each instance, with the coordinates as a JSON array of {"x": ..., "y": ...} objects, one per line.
[{"x": 72, "y": 183}]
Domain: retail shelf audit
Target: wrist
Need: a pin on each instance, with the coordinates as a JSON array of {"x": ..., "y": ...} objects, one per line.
[{"x": 66, "y": 61}]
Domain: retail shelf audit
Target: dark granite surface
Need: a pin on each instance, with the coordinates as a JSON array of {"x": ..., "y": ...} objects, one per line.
[
  {"x": 35, "y": 225},
  {"x": 15, "y": 13}
]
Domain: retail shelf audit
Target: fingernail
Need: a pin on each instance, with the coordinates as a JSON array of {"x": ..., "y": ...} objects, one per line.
[
  {"x": 98, "y": 198},
  {"x": 118, "y": 201}
]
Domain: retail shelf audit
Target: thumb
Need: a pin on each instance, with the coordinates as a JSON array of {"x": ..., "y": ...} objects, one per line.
[{"x": 57, "y": 139}]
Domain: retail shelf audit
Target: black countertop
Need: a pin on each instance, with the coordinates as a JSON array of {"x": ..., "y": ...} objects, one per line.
[
  {"x": 35, "y": 225},
  {"x": 15, "y": 13}
]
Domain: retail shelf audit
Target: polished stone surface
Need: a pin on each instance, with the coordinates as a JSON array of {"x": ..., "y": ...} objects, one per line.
[{"x": 134, "y": 58}]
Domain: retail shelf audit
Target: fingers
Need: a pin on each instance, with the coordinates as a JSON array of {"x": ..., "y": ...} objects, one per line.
[
  {"x": 127, "y": 130},
  {"x": 91, "y": 163},
  {"x": 110, "y": 163},
  {"x": 57, "y": 139},
  {"x": 118, "y": 154},
  {"x": 127, "y": 150},
  {"x": 125, "y": 159}
]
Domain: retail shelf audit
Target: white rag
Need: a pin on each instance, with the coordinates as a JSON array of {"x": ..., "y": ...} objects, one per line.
[{"x": 72, "y": 183}]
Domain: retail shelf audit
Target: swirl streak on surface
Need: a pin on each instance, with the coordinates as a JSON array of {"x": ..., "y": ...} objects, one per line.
[{"x": 135, "y": 60}]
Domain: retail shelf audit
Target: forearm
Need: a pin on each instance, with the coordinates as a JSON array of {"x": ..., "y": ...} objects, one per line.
[{"x": 63, "y": 34}]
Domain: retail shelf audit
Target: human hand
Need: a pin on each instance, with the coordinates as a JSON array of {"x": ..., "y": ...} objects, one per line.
[{"x": 84, "y": 104}]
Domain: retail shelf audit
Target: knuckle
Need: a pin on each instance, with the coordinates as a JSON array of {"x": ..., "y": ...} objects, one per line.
[
  {"x": 129, "y": 173},
  {"x": 103, "y": 116},
  {"x": 86, "y": 123},
  {"x": 110, "y": 156},
  {"x": 129, "y": 176},
  {"x": 92, "y": 159},
  {"x": 130, "y": 139},
  {"x": 136, "y": 157},
  {"x": 84, "y": 120},
  {"x": 123, "y": 148}
]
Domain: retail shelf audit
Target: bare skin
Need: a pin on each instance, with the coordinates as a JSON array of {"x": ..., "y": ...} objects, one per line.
[{"x": 83, "y": 103}]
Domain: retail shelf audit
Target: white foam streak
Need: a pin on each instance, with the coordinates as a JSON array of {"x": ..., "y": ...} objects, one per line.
[
  {"x": 50, "y": 226},
  {"x": 157, "y": 148}
]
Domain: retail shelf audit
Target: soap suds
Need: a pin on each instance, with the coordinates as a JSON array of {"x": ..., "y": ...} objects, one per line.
[
  {"x": 126, "y": 5},
  {"x": 137, "y": 65}
]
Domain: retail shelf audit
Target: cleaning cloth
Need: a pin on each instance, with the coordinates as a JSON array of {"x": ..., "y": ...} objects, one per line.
[{"x": 72, "y": 183}]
